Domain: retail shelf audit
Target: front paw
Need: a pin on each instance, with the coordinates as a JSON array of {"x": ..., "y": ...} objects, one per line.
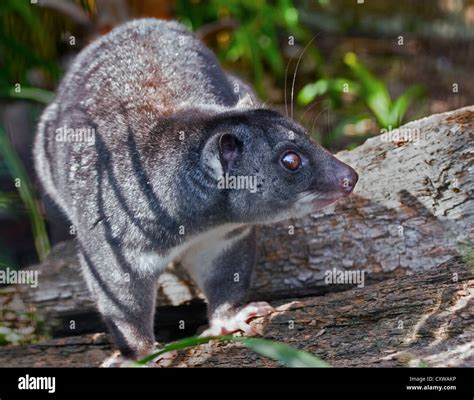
[{"x": 234, "y": 320}]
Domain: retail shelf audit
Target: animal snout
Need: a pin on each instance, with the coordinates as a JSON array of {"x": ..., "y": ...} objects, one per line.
[{"x": 346, "y": 178}]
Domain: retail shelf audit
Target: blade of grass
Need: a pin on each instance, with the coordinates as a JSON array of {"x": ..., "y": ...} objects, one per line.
[
  {"x": 277, "y": 351},
  {"x": 374, "y": 91},
  {"x": 29, "y": 93},
  {"x": 179, "y": 345},
  {"x": 287, "y": 355},
  {"x": 401, "y": 104},
  {"x": 17, "y": 171}
]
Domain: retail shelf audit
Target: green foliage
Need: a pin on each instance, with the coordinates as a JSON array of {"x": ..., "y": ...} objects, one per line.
[
  {"x": 254, "y": 42},
  {"x": 30, "y": 44},
  {"x": 18, "y": 172},
  {"x": 29, "y": 47},
  {"x": 323, "y": 86},
  {"x": 371, "y": 90},
  {"x": 277, "y": 351},
  {"x": 389, "y": 114},
  {"x": 28, "y": 93},
  {"x": 27, "y": 41}
]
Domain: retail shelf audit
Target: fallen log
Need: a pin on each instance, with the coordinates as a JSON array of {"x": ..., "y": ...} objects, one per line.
[
  {"x": 411, "y": 209},
  {"x": 423, "y": 319}
]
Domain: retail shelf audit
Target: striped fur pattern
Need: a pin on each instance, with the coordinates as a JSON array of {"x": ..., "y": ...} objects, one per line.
[{"x": 142, "y": 190}]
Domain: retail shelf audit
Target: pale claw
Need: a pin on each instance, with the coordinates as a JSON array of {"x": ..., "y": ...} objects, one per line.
[{"x": 239, "y": 321}]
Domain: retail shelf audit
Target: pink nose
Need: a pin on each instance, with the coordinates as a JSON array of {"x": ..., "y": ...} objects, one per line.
[{"x": 346, "y": 178}]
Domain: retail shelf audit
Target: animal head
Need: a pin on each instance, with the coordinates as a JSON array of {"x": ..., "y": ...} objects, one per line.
[{"x": 268, "y": 169}]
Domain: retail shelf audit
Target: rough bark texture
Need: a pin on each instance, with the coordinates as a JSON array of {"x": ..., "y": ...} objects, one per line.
[
  {"x": 427, "y": 317},
  {"x": 412, "y": 205},
  {"x": 411, "y": 208}
]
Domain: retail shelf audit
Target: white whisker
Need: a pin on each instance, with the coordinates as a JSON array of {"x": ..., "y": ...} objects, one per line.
[
  {"x": 296, "y": 71},
  {"x": 310, "y": 195},
  {"x": 328, "y": 125},
  {"x": 316, "y": 118},
  {"x": 286, "y": 78},
  {"x": 309, "y": 108}
]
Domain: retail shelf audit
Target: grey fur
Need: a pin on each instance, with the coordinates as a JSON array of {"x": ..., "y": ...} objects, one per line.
[{"x": 132, "y": 191}]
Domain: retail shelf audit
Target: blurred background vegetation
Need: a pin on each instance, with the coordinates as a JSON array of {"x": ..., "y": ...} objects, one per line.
[{"x": 345, "y": 69}]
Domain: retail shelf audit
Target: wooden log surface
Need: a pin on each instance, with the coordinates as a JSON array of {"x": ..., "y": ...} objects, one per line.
[
  {"x": 411, "y": 209},
  {"x": 423, "y": 319},
  {"x": 412, "y": 205}
]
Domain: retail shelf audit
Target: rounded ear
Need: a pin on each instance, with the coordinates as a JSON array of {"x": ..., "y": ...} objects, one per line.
[{"x": 229, "y": 150}]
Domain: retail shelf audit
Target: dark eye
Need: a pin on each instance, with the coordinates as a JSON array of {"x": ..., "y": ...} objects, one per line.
[{"x": 291, "y": 161}]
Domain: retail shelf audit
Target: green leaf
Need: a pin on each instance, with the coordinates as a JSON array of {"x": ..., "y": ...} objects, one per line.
[
  {"x": 312, "y": 90},
  {"x": 290, "y": 15},
  {"x": 400, "y": 106},
  {"x": 29, "y": 93},
  {"x": 24, "y": 10},
  {"x": 179, "y": 345},
  {"x": 282, "y": 353},
  {"x": 277, "y": 351},
  {"x": 373, "y": 90}
]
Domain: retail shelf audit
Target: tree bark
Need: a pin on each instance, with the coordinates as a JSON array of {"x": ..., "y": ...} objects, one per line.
[
  {"x": 426, "y": 318},
  {"x": 411, "y": 209}
]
